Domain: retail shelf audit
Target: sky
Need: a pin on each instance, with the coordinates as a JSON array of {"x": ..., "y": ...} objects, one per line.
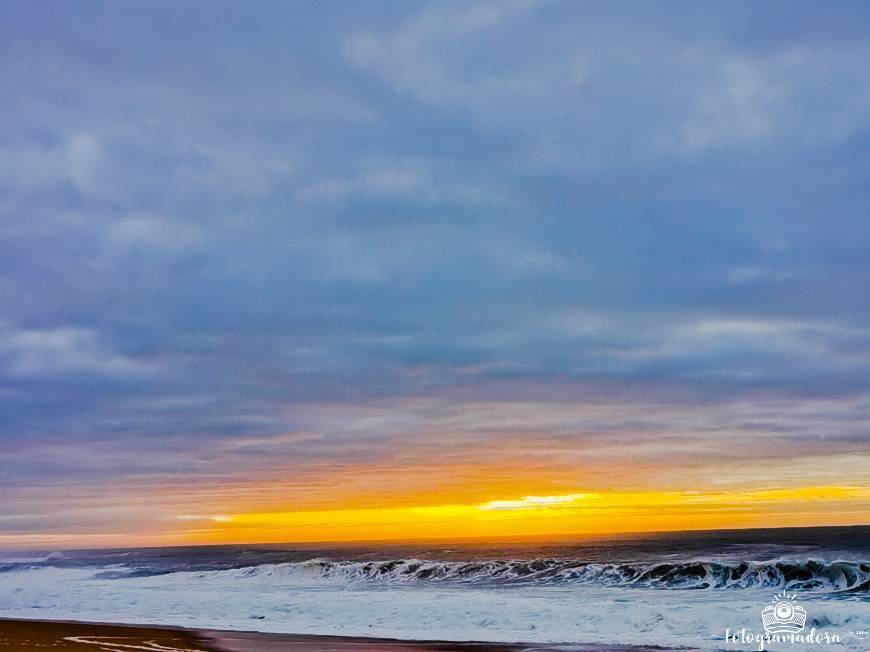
[{"x": 285, "y": 271}]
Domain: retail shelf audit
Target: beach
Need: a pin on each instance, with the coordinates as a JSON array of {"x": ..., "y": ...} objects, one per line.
[{"x": 66, "y": 636}]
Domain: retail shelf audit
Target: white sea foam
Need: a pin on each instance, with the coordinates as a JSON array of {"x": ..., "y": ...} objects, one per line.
[{"x": 300, "y": 598}]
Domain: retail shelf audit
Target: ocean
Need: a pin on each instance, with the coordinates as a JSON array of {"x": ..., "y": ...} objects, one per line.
[{"x": 692, "y": 589}]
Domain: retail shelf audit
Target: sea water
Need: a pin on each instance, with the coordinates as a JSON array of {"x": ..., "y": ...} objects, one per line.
[{"x": 674, "y": 590}]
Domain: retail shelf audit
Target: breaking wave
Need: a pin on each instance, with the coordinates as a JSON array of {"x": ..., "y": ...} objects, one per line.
[
  {"x": 812, "y": 575},
  {"x": 24, "y": 563}
]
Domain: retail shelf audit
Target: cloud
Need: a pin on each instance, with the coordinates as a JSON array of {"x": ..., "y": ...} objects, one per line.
[
  {"x": 549, "y": 234},
  {"x": 64, "y": 351},
  {"x": 77, "y": 162},
  {"x": 599, "y": 89},
  {"x": 202, "y": 517},
  {"x": 83, "y": 158},
  {"x": 159, "y": 236},
  {"x": 415, "y": 57}
]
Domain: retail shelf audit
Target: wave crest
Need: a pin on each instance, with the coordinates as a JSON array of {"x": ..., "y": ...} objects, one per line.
[{"x": 813, "y": 575}]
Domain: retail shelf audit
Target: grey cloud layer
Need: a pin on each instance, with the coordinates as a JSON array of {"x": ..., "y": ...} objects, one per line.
[{"x": 212, "y": 216}]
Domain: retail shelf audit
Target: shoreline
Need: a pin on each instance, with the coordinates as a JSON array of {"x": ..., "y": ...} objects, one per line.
[{"x": 19, "y": 634}]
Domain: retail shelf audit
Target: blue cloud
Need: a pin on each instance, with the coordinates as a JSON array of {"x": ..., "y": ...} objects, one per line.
[{"x": 214, "y": 217}]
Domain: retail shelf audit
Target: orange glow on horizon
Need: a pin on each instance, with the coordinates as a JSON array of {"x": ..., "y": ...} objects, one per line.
[
  {"x": 531, "y": 517},
  {"x": 588, "y": 513}
]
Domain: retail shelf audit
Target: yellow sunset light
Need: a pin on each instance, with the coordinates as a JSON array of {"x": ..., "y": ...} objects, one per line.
[{"x": 570, "y": 514}]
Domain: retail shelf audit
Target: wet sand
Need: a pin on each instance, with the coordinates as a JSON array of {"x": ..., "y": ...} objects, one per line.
[
  {"x": 84, "y": 637},
  {"x": 62, "y": 636}
]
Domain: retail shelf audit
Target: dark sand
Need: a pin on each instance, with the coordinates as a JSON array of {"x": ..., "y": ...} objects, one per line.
[
  {"x": 256, "y": 642},
  {"x": 85, "y": 637},
  {"x": 63, "y": 636}
]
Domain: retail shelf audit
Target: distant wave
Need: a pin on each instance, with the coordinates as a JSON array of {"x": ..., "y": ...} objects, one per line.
[
  {"x": 24, "y": 563},
  {"x": 813, "y": 575},
  {"x": 841, "y": 577},
  {"x": 52, "y": 556}
]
